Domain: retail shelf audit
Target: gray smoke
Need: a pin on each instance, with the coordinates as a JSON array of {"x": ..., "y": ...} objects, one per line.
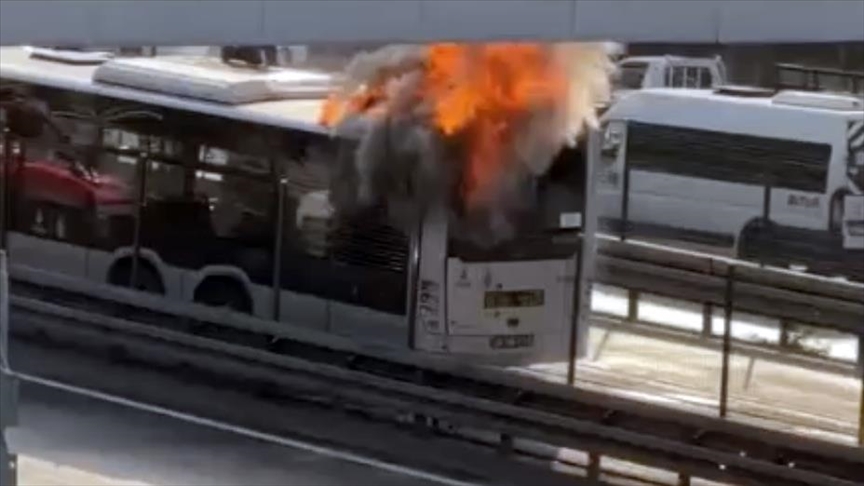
[{"x": 401, "y": 158}]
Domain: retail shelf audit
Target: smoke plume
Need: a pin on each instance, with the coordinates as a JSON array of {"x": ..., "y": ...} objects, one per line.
[{"x": 467, "y": 126}]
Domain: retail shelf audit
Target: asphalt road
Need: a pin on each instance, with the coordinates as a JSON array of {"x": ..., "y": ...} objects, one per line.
[{"x": 65, "y": 439}]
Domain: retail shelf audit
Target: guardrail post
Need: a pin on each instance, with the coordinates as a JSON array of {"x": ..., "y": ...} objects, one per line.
[
  {"x": 632, "y": 305},
  {"x": 593, "y": 466},
  {"x": 727, "y": 342},
  {"x": 784, "y": 334},
  {"x": 707, "y": 318}
]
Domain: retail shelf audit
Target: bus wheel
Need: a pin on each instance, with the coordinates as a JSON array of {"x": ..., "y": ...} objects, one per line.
[
  {"x": 753, "y": 242},
  {"x": 835, "y": 215},
  {"x": 147, "y": 279},
  {"x": 224, "y": 292}
]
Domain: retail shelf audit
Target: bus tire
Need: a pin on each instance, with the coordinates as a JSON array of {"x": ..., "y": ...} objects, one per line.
[
  {"x": 752, "y": 239},
  {"x": 223, "y": 291},
  {"x": 835, "y": 211},
  {"x": 148, "y": 279}
]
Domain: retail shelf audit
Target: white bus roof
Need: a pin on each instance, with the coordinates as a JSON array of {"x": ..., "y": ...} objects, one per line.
[
  {"x": 301, "y": 113},
  {"x": 793, "y": 115}
]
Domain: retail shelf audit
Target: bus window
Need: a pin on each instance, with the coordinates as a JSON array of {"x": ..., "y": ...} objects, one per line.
[
  {"x": 678, "y": 77},
  {"x": 631, "y": 75},
  {"x": 743, "y": 159},
  {"x": 706, "y": 79},
  {"x": 83, "y": 194}
]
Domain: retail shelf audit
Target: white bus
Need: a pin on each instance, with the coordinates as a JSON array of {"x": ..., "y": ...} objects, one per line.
[
  {"x": 773, "y": 177},
  {"x": 208, "y": 182}
]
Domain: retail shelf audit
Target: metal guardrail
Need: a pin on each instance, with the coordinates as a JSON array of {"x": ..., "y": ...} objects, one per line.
[
  {"x": 706, "y": 279},
  {"x": 430, "y": 386},
  {"x": 733, "y": 285},
  {"x": 811, "y": 78},
  {"x": 353, "y": 389}
]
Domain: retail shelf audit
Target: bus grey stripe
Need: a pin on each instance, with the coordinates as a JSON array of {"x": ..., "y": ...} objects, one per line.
[
  {"x": 856, "y": 135},
  {"x": 855, "y": 129},
  {"x": 857, "y": 142}
]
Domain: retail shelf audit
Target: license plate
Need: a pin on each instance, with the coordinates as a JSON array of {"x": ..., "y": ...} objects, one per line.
[
  {"x": 512, "y": 341},
  {"x": 496, "y": 299}
]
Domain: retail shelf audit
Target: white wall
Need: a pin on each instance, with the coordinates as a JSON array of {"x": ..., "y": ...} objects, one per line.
[{"x": 208, "y": 22}]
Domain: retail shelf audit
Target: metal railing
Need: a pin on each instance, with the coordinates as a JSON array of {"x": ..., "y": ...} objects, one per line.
[
  {"x": 733, "y": 286},
  {"x": 810, "y": 78},
  {"x": 430, "y": 386}
]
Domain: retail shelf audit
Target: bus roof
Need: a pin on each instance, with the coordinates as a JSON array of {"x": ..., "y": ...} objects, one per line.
[
  {"x": 297, "y": 114},
  {"x": 787, "y": 114}
]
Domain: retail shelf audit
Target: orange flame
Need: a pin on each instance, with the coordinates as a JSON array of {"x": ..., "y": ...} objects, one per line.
[{"x": 479, "y": 93}]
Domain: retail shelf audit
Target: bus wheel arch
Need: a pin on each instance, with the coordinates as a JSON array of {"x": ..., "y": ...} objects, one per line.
[
  {"x": 751, "y": 237},
  {"x": 149, "y": 279},
  {"x": 835, "y": 205},
  {"x": 224, "y": 291}
]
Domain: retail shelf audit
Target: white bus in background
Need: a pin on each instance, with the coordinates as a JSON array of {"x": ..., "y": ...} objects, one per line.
[
  {"x": 776, "y": 178},
  {"x": 203, "y": 157}
]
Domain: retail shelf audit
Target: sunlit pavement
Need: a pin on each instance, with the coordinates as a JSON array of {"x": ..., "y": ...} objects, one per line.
[{"x": 780, "y": 396}]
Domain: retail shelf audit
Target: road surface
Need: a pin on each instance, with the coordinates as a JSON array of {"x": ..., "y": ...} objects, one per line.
[{"x": 69, "y": 440}]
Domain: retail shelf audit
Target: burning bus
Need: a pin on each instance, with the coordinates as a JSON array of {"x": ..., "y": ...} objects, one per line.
[{"x": 430, "y": 196}]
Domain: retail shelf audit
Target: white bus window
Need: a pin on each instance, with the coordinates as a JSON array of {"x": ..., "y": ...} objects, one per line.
[
  {"x": 56, "y": 189},
  {"x": 691, "y": 77},
  {"x": 706, "y": 78},
  {"x": 630, "y": 75},
  {"x": 246, "y": 157},
  {"x": 677, "y": 78},
  {"x": 726, "y": 157}
]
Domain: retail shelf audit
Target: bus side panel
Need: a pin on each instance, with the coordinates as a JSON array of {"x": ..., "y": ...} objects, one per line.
[
  {"x": 303, "y": 310},
  {"x": 800, "y": 209},
  {"x": 430, "y": 320},
  {"x": 367, "y": 325},
  {"x": 667, "y": 206},
  {"x": 99, "y": 264},
  {"x": 57, "y": 256}
]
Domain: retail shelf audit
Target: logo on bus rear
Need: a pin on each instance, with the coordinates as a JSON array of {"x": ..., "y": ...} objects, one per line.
[{"x": 803, "y": 201}]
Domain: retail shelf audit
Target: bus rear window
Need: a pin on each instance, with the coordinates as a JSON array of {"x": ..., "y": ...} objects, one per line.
[{"x": 548, "y": 229}]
